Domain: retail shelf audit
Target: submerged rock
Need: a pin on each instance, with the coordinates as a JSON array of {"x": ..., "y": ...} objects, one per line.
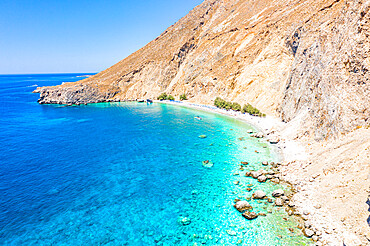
[
  {"x": 262, "y": 178},
  {"x": 231, "y": 233},
  {"x": 259, "y": 194},
  {"x": 184, "y": 220},
  {"x": 207, "y": 164},
  {"x": 256, "y": 174},
  {"x": 250, "y": 215},
  {"x": 242, "y": 206}
]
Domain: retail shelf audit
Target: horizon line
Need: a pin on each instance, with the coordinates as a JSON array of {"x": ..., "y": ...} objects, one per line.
[{"x": 46, "y": 73}]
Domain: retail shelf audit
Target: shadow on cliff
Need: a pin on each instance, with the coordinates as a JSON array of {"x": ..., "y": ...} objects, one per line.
[{"x": 368, "y": 218}]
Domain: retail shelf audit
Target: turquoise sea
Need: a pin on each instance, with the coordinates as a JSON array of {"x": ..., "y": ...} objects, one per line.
[{"x": 127, "y": 174}]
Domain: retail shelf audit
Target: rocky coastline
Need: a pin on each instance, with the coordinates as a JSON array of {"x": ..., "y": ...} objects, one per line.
[
  {"x": 317, "y": 221},
  {"x": 293, "y": 169}
]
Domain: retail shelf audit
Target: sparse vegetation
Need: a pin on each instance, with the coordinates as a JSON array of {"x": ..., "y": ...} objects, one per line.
[
  {"x": 163, "y": 96},
  {"x": 249, "y": 109},
  {"x": 219, "y": 102},
  {"x": 236, "y": 107},
  {"x": 183, "y": 97}
]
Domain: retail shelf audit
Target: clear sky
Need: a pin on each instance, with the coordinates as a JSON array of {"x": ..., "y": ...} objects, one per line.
[{"x": 59, "y": 36}]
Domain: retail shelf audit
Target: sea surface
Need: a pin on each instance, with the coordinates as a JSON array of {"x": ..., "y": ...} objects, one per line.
[{"x": 127, "y": 174}]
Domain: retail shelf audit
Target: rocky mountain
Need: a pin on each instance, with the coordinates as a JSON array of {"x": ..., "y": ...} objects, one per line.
[{"x": 305, "y": 61}]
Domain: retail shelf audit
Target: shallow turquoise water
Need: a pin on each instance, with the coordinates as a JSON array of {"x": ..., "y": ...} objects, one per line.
[{"x": 125, "y": 173}]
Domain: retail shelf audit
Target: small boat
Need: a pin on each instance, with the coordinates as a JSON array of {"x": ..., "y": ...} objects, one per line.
[
  {"x": 197, "y": 118},
  {"x": 149, "y": 101},
  {"x": 140, "y": 100}
]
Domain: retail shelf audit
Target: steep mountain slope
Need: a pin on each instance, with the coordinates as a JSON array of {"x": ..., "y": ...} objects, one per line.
[{"x": 303, "y": 59}]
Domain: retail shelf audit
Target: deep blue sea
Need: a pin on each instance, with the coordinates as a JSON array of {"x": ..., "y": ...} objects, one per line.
[{"x": 127, "y": 174}]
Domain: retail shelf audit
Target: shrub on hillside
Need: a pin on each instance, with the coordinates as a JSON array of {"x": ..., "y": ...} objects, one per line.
[
  {"x": 183, "y": 97},
  {"x": 163, "y": 96},
  {"x": 228, "y": 105},
  {"x": 249, "y": 109},
  {"x": 236, "y": 107},
  {"x": 219, "y": 102},
  {"x": 171, "y": 98}
]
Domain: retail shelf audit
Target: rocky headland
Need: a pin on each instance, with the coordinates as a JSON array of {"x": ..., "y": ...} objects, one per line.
[{"x": 303, "y": 63}]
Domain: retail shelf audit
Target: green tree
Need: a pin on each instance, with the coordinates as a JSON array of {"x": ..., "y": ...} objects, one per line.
[
  {"x": 219, "y": 102},
  {"x": 228, "y": 105},
  {"x": 236, "y": 106},
  {"x": 249, "y": 109},
  {"x": 163, "y": 96},
  {"x": 171, "y": 98},
  {"x": 183, "y": 97}
]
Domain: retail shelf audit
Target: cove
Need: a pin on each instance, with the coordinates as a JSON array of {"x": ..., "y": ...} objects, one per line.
[{"x": 130, "y": 174}]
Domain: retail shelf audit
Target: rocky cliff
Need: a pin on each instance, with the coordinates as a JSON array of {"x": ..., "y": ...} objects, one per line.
[{"x": 301, "y": 60}]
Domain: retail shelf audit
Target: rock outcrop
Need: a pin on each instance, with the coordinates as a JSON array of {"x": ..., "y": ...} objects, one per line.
[{"x": 300, "y": 60}]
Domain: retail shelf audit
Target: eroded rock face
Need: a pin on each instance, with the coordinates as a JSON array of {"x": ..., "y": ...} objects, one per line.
[
  {"x": 329, "y": 78},
  {"x": 300, "y": 60},
  {"x": 77, "y": 94}
]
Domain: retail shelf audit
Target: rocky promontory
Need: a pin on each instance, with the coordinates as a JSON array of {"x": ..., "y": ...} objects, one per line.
[{"x": 76, "y": 94}]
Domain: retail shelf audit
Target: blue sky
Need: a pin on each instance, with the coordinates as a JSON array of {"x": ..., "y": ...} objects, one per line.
[{"x": 59, "y": 36}]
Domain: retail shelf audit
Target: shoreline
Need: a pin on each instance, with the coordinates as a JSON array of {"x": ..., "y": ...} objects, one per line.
[
  {"x": 330, "y": 179},
  {"x": 271, "y": 127},
  {"x": 322, "y": 227}
]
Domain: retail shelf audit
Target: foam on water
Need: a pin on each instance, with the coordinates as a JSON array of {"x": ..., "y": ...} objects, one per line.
[{"x": 128, "y": 174}]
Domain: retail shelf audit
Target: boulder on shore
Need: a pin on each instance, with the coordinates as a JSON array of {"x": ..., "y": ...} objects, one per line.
[
  {"x": 278, "y": 193},
  {"x": 275, "y": 180},
  {"x": 308, "y": 232},
  {"x": 262, "y": 178},
  {"x": 279, "y": 202},
  {"x": 274, "y": 140}
]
